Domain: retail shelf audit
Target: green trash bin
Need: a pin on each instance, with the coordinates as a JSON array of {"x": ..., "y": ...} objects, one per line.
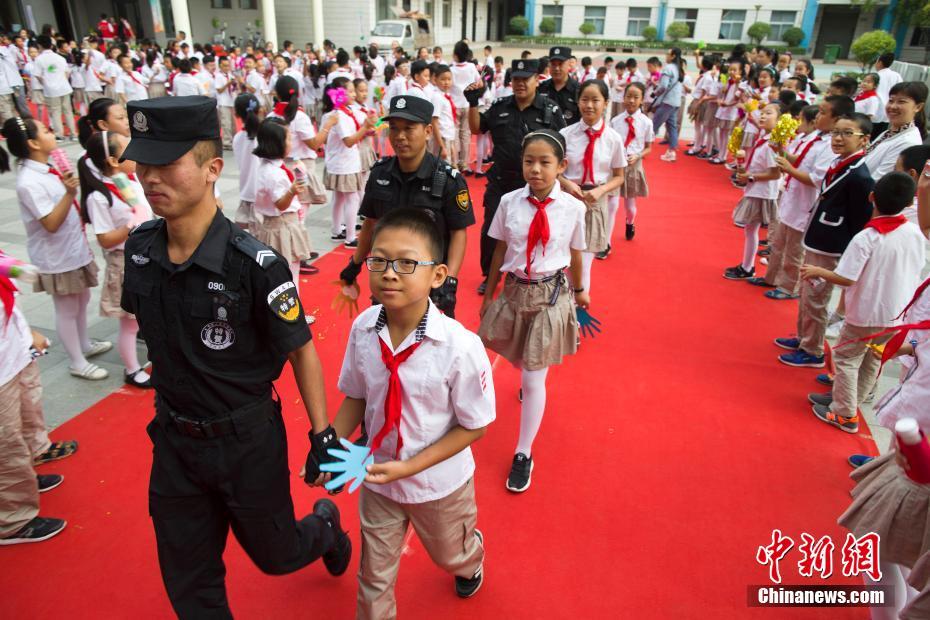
[{"x": 831, "y": 53}]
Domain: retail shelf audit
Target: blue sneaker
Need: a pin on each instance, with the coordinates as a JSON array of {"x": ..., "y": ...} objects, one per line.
[
  {"x": 801, "y": 359},
  {"x": 792, "y": 344},
  {"x": 858, "y": 460},
  {"x": 825, "y": 378}
]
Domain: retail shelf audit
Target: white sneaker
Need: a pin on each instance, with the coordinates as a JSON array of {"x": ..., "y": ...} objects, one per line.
[
  {"x": 91, "y": 372},
  {"x": 98, "y": 347},
  {"x": 668, "y": 156}
]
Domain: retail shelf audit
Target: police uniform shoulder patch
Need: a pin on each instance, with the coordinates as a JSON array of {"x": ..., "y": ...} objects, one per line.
[
  {"x": 284, "y": 302},
  {"x": 380, "y": 162},
  {"x": 254, "y": 249},
  {"x": 452, "y": 172},
  {"x": 462, "y": 200},
  {"x": 150, "y": 225}
]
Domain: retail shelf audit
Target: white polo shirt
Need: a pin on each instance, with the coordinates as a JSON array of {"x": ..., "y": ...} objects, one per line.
[
  {"x": 447, "y": 382},
  {"x": 271, "y": 183},
  {"x": 642, "y": 129},
  {"x": 301, "y": 128},
  {"x": 886, "y": 270},
  {"x": 511, "y": 224},
  {"x": 206, "y": 80},
  {"x": 133, "y": 85},
  {"x": 342, "y": 159},
  {"x": 224, "y": 97},
  {"x": 608, "y": 152},
  {"x": 442, "y": 108},
  {"x": 105, "y": 217},
  {"x": 53, "y": 69},
  {"x": 795, "y": 204},
  {"x": 247, "y": 163},
  {"x": 463, "y": 75},
  {"x": 66, "y": 249},
  {"x": 255, "y": 80},
  {"x": 882, "y": 154},
  {"x": 14, "y": 346},
  {"x": 185, "y": 84}
]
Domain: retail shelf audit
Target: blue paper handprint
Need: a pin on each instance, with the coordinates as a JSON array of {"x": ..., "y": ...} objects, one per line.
[
  {"x": 587, "y": 323},
  {"x": 353, "y": 464}
]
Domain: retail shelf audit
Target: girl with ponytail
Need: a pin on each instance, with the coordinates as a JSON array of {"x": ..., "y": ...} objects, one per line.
[{"x": 251, "y": 113}]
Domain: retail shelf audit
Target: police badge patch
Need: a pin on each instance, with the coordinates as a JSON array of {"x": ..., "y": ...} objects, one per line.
[
  {"x": 461, "y": 199},
  {"x": 284, "y": 303},
  {"x": 217, "y": 335}
]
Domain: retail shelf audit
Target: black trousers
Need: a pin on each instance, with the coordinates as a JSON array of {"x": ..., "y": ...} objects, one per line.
[
  {"x": 878, "y": 128},
  {"x": 199, "y": 488},
  {"x": 492, "y": 199}
]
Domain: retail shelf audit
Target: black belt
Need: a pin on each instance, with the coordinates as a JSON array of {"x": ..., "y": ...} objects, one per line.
[
  {"x": 237, "y": 422},
  {"x": 559, "y": 276}
]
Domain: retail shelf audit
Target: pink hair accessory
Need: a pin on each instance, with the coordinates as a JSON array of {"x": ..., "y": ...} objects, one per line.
[{"x": 338, "y": 96}]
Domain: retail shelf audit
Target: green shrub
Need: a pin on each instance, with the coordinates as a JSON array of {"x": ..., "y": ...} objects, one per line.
[
  {"x": 677, "y": 31},
  {"x": 650, "y": 33},
  {"x": 518, "y": 24},
  {"x": 547, "y": 25},
  {"x": 586, "y": 28},
  {"x": 758, "y": 31},
  {"x": 867, "y": 48},
  {"x": 793, "y": 36}
]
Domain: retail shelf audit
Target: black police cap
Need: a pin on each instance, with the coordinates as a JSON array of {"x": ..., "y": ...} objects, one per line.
[
  {"x": 411, "y": 108},
  {"x": 165, "y": 128},
  {"x": 560, "y": 52},
  {"x": 524, "y": 68}
]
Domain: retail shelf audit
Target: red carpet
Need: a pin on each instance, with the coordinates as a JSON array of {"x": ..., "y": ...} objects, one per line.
[{"x": 673, "y": 444}]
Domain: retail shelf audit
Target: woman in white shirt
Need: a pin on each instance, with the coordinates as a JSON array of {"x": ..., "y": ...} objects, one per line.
[
  {"x": 906, "y": 127},
  {"x": 114, "y": 211}
]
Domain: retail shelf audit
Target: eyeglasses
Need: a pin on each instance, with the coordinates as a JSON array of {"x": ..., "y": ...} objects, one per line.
[
  {"x": 403, "y": 266},
  {"x": 840, "y": 133}
]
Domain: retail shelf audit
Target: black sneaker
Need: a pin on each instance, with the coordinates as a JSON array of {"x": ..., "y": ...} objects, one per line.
[
  {"x": 738, "y": 273},
  {"x": 47, "y": 482},
  {"x": 351, "y": 244},
  {"x": 520, "y": 473},
  {"x": 630, "y": 231},
  {"x": 482, "y": 287},
  {"x": 338, "y": 237},
  {"x": 818, "y": 398},
  {"x": 465, "y": 587},
  {"x": 337, "y": 559},
  {"x": 603, "y": 255},
  {"x": 37, "y": 530}
]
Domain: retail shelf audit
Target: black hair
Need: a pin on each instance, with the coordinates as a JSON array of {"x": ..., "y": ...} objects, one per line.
[
  {"x": 862, "y": 121},
  {"x": 678, "y": 62},
  {"x": 461, "y": 51},
  {"x": 782, "y": 107},
  {"x": 874, "y": 76},
  {"x": 608, "y": 59},
  {"x": 810, "y": 67},
  {"x": 432, "y": 67},
  {"x": 846, "y": 85},
  {"x": 543, "y": 64},
  {"x": 769, "y": 71},
  {"x": 150, "y": 57},
  {"x": 653, "y": 60},
  {"x": 707, "y": 63},
  {"x": 97, "y": 153},
  {"x": 418, "y": 67},
  {"x": 499, "y": 59},
  {"x": 272, "y": 139},
  {"x": 893, "y": 192},
  {"x": 550, "y": 136},
  {"x": 638, "y": 86},
  {"x": 586, "y": 61},
  {"x": 440, "y": 69},
  {"x": 787, "y": 97},
  {"x": 342, "y": 57},
  {"x": 389, "y": 71},
  {"x": 339, "y": 82},
  {"x": 599, "y": 84},
  {"x": 739, "y": 50},
  {"x": 508, "y": 77},
  {"x": 17, "y": 132},
  {"x": 915, "y": 157},
  {"x": 287, "y": 90},
  {"x": 630, "y": 63},
  {"x": 886, "y": 59},
  {"x": 403, "y": 60},
  {"x": 247, "y": 106},
  {"x": 801, "y": 80},
  {"x": 918, "y": 92},
  {"x": 286, "y": 60},
  {"x": 97, "y": 111},
  {"x": 841, "y": 105},
  {"x": 420, "y": 222},
  {"x": 44, "y": 41},
  {"x": 207, "y": 59},
  {"x": 184, "y": 65}
]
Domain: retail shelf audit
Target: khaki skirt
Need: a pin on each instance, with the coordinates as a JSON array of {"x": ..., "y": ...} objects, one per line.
[
  {"x": 343, "y": 182},
  {"x": 887, "y": 502},
  {"x": 69, "y": 282},
  {"x": 245, "y": 215},
  {"x": 367, "y": 154},
  {"x": 709, "y": 113},
  {"x": 526, "y": 329},
  {"x": 109, "y": 92},
  {"x": 634, "y": 181},
  {"x": 316, "y": 193},
  {"x": 750, "y": 210},
  {"x": 596, "y": 226},
  {"x": 157, "y": 89},
  {"x": 285, "y": 234},
  {"x": 112, "y": 290}
]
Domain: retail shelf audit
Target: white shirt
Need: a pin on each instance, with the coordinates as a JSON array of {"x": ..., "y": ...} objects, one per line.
[
  {"x": 10, "y": 61},
  {"x": 255, "y": 80},
  {"x": 608, "y": 152},
  {"x": 247, "y": 163},
  {"x": 642, "y": 128},
  {"x": 463, "y": 75},
  {"x": 75, "y": 76},
  {"x": 107, "y": 218},
  {"x": 156, "y": 74},
  {"x": 34, "y": 83},
  {"x": 882, "y": 154},
  {"x": 424, "y": 92},
  {"x": 134, "y": 89},
  {"x": 886, "y": 270},
  {"x": 92, "y": 69},
  {"x": 762, "y": 159},
  {"x": 339, "y": 73},
  {"x": 398, "y": 86},
  {"x": 447, "y": 382},
  {"x": 378, "y": 63},
  {"x": 301, "y": 128},
  {"x": 53, "y": 70},
  {"x": 795, "y": 204},
  {"x": 224, "y": 96},
  {"x": 271, "y": 183},
  {"x": 443, "y": 110},
  {"x": 887, "y": 78},
  {"x": 110, "y": 70},
  {"x": 870, "y": 106},
  {"x": 729, "y": 94},
  {"x": 207, "y": 80},
  {"x": 511, "y": 224},
  {"x": 342, "y": 159},
  {"x": 15, "y": 343},
  {"x": 185, "y": 84},
  {"x": 39, "y": 191}
]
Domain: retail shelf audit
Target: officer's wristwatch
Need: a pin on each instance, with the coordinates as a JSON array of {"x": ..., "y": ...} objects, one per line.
[{"x": 452, "y": 280}]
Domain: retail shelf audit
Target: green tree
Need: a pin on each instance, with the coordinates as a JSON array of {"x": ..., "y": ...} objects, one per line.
[
  {"x": 650, "y": 33},
  {"x": 793, "y": 36},
  {"x": 586, "y": 28},
  {"x": 677, "y": 31},
  {"x": 867, "y": 48},
  {"x": 758, "y": 31},
  {"x": 907, "y": 13},
  {"x": 518, "y": 24},
  {"x": 547, "y": 25}
]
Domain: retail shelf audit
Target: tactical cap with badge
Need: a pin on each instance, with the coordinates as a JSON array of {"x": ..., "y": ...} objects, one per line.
[{"x": 164, "y": 129}]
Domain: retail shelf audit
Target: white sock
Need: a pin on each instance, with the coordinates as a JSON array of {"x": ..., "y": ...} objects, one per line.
[
  {"x": 83, "y": 300},
  {"x": 350, "y": 214},
  {"x": 66, "y": 318},
  {"x": 630, "y": 205},
  {"x": 339, "y": 199},
  {"x": 533, "y": 383},
  {"x": 587, "y": 259},
  {"x": 128, "y": 328},
  {"x": 752, "y": 243},
  {"x": 894, "y": 577},
  {"x": 613, "y": 205}
]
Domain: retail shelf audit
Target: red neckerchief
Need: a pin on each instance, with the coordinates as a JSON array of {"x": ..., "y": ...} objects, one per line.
[
  {"x": 114, "y": 190},
  {"x": 755, "y": 147},
  {"x": 917, "y": 294},
  {"x": 587, "y": 164},
  {"x": 290, "y": 175},
  {"x": 395, "y": 394},
  {"x": 886, "y": 224},
  {"x": 452, "y": 106},
  {"x": 866, "y": 94},
  {"x": 280, "y": 107},
  {"x": 842, "y": 165},
  {"x": 631, "y": 131},
  {"x": 77, "y": 207},
  {"x": 539, "y": 229},
  {"x": 803, "y": 154},
  {"x": 629, "y": 77},
  {"x": 134, "y": 78},
  {"x": 345, "y": 110},
  {"x": 7, "y": 289},
  {"x": 892, "y": 346}
]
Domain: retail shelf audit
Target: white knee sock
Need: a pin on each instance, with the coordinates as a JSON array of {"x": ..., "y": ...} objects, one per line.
[
  {"x": 894, "y": 577},
  {"x": 698, "y": 135},
  {"x": 84, "y": 299},
  {"x": 128, "y": 328},
  {"x": 613, "y": 205},
  {"x": 533, "y": 383},
  {"x": 66, "y": 324},
  {"x": 339, "y": 199},
  {"x": 587, "y": 259},
  {"x": 752, "y": 243},
  {"x": 350, "y": 214},
  {"x": 630, "y": 205}
]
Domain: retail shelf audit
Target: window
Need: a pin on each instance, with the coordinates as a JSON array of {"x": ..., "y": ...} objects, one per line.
[
  {"x": 687, "y": 16},
  {"x": 731, "y": 25},
  {"x": 248, "y": 5},
  {"x": 596, "y": 15},
  {"x": 446, "y": 13},
  {"x": 637, "y": 21},
  {"x": 555, "y": 12},
  {"x": 428, "y": 8},
  {"x": 220, "y": 4},
  {"x": 384, "y": 9},
  {"x": 781, "y": 21},
  {"x": 921, "y": 37}
]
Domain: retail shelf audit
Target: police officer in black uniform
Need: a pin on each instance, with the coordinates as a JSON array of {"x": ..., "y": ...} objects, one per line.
[
  {"x": 509, "y": 119},
  {"x": 416, "y": 178},
  {"x": 562, "y": 87},
  {"x": 220, "y": 315}
]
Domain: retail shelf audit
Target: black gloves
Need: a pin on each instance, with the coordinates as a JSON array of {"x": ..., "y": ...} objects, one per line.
[
  {"x": 351, "y": 272},
  {"x": 319, "y": 444},
  {"x": 444, "y": 296},
  {"x": 472, "y": 96}
]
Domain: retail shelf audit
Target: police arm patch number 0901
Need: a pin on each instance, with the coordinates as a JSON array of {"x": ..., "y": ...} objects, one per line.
[
  {"x": 284, "y": 303},
  {"x": 461, "y": 199}
]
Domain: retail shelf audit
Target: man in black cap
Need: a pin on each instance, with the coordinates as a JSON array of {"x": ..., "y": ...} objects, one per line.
[
  {"x": 508, "y": 120},
  {"x": 416, "y": 178},
  {"x": 220, "y": 315},
  {"x": 562, "y": 88}
]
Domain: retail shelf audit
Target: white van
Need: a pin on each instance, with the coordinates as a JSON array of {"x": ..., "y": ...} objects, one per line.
[{"x": 409, "y": 34}]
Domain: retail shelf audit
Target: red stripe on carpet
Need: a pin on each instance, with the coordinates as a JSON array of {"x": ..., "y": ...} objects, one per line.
[{"x": 673, "y": 444}]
